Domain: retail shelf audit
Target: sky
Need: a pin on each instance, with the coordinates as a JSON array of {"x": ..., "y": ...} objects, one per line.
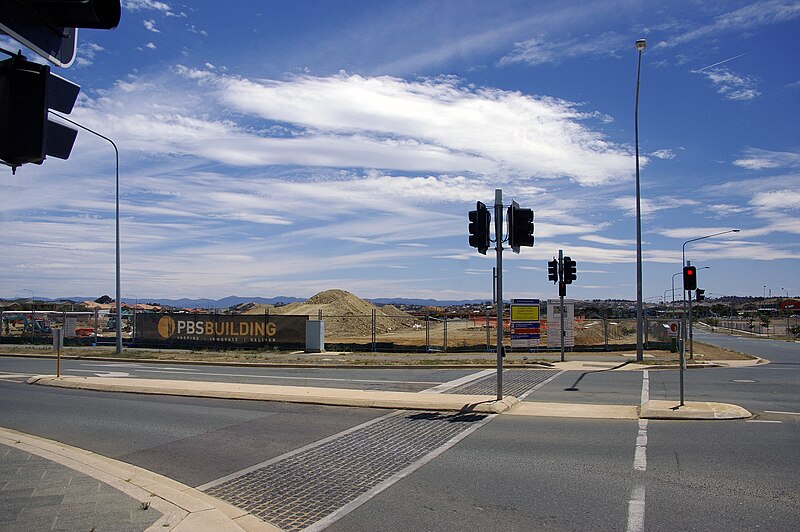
[{"x": 287, "y": 147}]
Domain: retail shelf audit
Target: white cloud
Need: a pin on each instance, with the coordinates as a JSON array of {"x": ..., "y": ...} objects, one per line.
[
  {"x": 757, "y": 159},
  {"x": 665, "y": 154},
  {"x": 150, "y": 45},
  {"x": 86, "y": 53},
  {"x": 349, "y": 121},
  {"x": 543, "y": 49},
  {"x": 731, "y": 85},
  {"x": 608, "y": 241},
  {"x": 788, "y": 200},
  {"x": 753, "y": 15},
  {"x": 650, "y": 206},
  {"x": 150, "y": 24},
  {"x": 147, "y": 5}
]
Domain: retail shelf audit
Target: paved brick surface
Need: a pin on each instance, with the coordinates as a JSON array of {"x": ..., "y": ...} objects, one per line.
[
  {"x": 515, "y": 382},
  {"x": 304, "y": 488},
  {"x": 37, "y": 494}
]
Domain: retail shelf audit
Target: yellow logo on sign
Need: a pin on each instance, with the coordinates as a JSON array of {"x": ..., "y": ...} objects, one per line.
[{"x": 166, "y": 327}]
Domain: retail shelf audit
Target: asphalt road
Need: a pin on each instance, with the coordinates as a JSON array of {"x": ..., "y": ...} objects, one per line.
[
  {"x": 411, "y": 380},
  {"x": 500, "y": 473}
]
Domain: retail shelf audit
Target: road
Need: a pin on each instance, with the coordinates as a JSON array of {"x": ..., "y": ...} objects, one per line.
[{"x": 372, "y": 469}]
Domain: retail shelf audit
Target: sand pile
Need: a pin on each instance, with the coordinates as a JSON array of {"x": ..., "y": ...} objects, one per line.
[{"x": 345, "y": 315}]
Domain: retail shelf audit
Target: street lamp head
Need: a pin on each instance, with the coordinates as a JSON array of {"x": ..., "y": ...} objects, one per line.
[{"x": 640, "y": 44}]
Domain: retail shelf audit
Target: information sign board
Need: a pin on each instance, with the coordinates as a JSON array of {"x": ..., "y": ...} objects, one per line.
[{"x": 525, "y": 325}]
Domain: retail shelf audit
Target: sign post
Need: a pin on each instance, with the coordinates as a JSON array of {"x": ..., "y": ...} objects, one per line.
[{"x": 58, "y": 345}]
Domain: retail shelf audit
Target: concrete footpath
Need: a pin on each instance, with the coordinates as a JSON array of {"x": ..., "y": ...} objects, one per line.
[{"x": 48, "y": 485}]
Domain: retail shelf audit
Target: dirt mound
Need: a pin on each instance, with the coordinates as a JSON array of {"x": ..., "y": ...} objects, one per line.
[{"x": 345, "y": 315}]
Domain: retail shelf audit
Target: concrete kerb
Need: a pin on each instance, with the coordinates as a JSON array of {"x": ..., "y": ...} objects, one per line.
[
  {"x": 288, "y": 394},
  {"x": 183, "y": 508},
  {"x": 396, "y": 400},
  {"x": 659, "y": 409}
]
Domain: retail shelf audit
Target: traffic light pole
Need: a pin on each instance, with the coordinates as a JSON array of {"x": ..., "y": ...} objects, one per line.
[
  {"x": 561, "y": 300},
  {"x": 498, "y": 234}
]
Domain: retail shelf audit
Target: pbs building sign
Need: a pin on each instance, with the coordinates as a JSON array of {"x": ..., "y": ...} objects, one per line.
[{"x": 214, "y": 329}]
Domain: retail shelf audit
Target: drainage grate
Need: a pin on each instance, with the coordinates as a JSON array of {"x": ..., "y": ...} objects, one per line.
[
  {"x": 300, "y": 490},
  {"x": 515, "y": 382}
]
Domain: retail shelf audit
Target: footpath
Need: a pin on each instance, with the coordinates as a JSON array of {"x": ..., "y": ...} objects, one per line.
[{"x": 47, "y": 485}]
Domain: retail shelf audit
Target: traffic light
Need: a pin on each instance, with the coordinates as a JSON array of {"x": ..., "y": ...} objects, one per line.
[
  {"x": 689, "y": 278},
  {"x": 570, "y": 273},
  {"x": 27, "y": 91},
  {"x": 700, "y": 293},
  {"x": 479, "y": 228},
  {"x": 48, "y": 27},
  {"x": 562, "y": 289},
  {"x": 552, "y": 270},
  {"x": 520, "y": 227}
]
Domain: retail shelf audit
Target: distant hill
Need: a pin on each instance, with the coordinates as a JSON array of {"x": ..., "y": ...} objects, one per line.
[{"x": 424, "y": 302}]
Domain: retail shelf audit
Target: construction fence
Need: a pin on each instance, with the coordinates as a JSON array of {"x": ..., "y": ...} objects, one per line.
[{"x": 385, "y": 333}]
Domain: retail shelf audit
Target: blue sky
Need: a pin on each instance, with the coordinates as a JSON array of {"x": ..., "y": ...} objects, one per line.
[{"x": 284, "y": 148}]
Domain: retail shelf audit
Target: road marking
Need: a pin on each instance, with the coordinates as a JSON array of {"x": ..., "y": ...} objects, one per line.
[
  {"x": 355, "y": 503},
  {"x": 441, "y": 388},
  {"x": 636, "y": 502},
  {"x": 780, "y": 412},
  {"x": 549, "y": 380},
  {"x": 297, "y": 378},
  {"x": 302, "y": 449},
  {"x": 102, "y": 373},
  {"x": 762, "y": 421},
  {"x": 645, "y": 387},
  {"x": 636, "y": 510}
]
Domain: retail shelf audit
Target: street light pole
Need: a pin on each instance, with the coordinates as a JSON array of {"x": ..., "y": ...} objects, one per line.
[
  {"x": 683, "y": 264},
  {"x": 118, "y": 282},
  {"x": 640, "y": 46}
]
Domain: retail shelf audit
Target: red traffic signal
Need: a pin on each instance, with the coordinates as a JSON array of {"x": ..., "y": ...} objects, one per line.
[{"x": 689, "y": 278}]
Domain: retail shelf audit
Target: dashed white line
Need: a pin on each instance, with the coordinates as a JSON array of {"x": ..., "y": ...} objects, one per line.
[
  {"x": 780, "y": 412},
  {"x": 762, "y": 421},
  {"x": 636, "y": 510},
  {"x": 640, "y": 456},
  {"x": 636, "y": 502}
]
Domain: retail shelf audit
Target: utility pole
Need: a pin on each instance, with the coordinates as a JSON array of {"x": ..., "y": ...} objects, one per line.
[
  {"x": 498, "y": 234},
  {"x": 561, "y": 299}
]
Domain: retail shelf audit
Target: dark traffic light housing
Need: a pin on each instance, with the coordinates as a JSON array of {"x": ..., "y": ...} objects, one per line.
[
  {"x": 520, "y": 227},
  {"x": 49, "y": 27},
  {"x": 479, "y": 220},
  {"x": 552, "y": 270},
  {"x": 570, "y": 272},
  {"x": 689, "y": 278},
  {"x": 27, "y": 91},
  {"x": 700, "y": 293}
]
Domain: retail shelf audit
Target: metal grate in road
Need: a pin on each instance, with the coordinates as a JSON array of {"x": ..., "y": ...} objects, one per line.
[
  {"x": 304, "y": 488},
  {"x": 516, "y": 382}
]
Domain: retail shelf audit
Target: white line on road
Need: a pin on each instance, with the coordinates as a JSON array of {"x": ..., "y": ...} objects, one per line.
[
  {"x": 636, "y": 502},
  {"x": 543, "y": 383},
  {"x": 297, "y": 378},
  {"x": 640, "y": 456},
  {"x": 780, "y": 412},
  {"x": 636, "y": 510},
  {"x": 441, "y": 388},
  {"x": 355, "y": 503},
  {"x": 762, "y": 421}
]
